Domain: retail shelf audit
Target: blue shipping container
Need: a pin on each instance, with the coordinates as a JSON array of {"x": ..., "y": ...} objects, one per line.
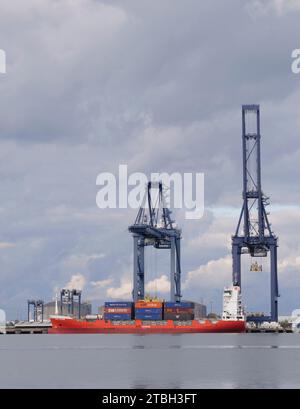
[
  {"x": 148, "y": 317},
  {"x": 140, "y": 316},
  {"x": 179, "y": 305},
  {"x": 118, "y": 304},
  {"x": 148, "y": 310},
  {"x": 117, "y": 317}
]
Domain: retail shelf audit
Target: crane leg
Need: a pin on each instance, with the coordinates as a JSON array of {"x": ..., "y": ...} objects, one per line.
[
  {"x": 178, "y": 271},
  {"x": 236, "y": 265},
  {"x": 274, "y": 283},
  {"x": 138, "y": 268},
  {"x": 173, "y": 269}
]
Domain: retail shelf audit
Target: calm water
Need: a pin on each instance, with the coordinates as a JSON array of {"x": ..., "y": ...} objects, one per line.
[{"x": 152, "y": 361}]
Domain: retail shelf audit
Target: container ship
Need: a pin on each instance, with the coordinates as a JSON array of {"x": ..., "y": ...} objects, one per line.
[{"x": 155, "y": 317}]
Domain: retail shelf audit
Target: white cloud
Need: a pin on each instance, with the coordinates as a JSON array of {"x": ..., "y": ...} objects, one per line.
[
  {"x": 96, "y": 290},
  {"x": 214, "y": 274},
  {"x": 123, "y": 292},
  {"x": 101, "y": 283},
  {"x": 6, "y": 245},
  {"x": 289, "y": 271},
  {"x": 80, "y": 261},
  {"x": 289, "y": 263},
  {"x": 77, "y": 282},
  {"x": 280, "y": 7},
  {"x": 218, "y": 234},
  {"x": 284, "y": 6},
  {"x": 158, "y": 285}
]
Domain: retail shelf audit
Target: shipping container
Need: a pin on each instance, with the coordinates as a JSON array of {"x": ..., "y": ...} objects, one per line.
[
  {"x": 179, "y": 310},
  {"x": 179, "y": 317},
  {"x": 117, "y": 317},
  {"x": 148, "y": 304},
  {"x": 183, "y": 304},
  {"x": 148, "y": 313},
  {"x": 110, "y": 310},
  {"x": 118, "y": 304},
  {"x": 149, "y": 317},
  {"x": 149, "y": 310}
]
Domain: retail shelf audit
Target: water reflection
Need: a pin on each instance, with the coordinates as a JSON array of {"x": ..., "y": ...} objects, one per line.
[{"x": 156, "y": 361}]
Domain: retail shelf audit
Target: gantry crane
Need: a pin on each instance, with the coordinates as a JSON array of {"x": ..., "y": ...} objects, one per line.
[
  {"x": 67, "y": 298},
  {"x": 38, "y": 310},
  {"x": 153, "y": 226},
  {"x": 254, "y": 235}
]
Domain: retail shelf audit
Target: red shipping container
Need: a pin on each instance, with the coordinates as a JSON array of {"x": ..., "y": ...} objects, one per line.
[
  {"x": 117, "y": 310},
  {"x": 148, "y": 304},
  {"x": 179, "y": 310}
]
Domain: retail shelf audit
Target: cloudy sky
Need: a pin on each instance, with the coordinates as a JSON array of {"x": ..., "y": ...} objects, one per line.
[{"x": 156, "y": 85}]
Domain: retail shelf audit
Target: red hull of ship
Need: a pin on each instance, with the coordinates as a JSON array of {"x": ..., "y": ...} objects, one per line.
[{"x": 73, "y": 326}]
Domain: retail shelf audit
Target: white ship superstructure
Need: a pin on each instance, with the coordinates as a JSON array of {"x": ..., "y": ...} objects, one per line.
[{"x": 232, "y": 304}]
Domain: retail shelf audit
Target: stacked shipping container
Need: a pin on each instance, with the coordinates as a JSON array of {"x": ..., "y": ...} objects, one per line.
[
  {"x": 149, "y": 310},
  {"x": 179, "y": 311},
  {"x": 118, "y": 310}
]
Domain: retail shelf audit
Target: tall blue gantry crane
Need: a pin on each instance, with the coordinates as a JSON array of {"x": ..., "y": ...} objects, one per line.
[
  {"x": 153, "y": 226},
  {"x": 254, "y": 235}
]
